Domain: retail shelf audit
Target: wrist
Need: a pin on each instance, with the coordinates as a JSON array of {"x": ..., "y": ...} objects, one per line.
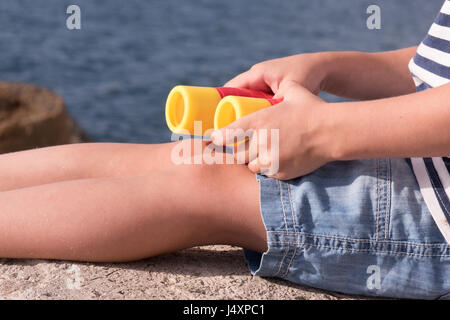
[
  {"x": 338, "y": 66},
  {"x": 325, "y": 67},
  {"x": 322, "y": 132},
  {"x": 331, "y": 121},
  {"x": 311, "y": 70},
  {"x": 322, "y": 68},
  {"x": 355, "y": 130}
]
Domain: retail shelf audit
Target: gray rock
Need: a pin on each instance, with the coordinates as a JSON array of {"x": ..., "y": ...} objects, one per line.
[{"x": 34, "y": 117}]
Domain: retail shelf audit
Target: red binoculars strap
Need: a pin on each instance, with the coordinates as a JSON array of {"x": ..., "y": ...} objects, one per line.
[{"x": 241, "y": 92}]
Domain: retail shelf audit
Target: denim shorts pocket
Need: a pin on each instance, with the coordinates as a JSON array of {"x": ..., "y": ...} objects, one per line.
[{"x": 349, "y": 199}]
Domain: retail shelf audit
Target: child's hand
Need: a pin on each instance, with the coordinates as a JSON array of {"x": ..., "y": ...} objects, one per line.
[
  {"x": 307, "y": 70},
  {"x": 303, "y": 143}
]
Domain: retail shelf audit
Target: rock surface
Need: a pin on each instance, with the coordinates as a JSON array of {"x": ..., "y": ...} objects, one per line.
[
  {"x": 32, "y": 117},
  {"x": 210, "y": 272}
]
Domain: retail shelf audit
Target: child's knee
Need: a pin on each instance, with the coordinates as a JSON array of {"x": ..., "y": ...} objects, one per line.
[{"x": 199, "y": 152}]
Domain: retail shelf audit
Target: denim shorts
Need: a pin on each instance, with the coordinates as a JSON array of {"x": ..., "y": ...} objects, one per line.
[{"x": 356, "y": 227}]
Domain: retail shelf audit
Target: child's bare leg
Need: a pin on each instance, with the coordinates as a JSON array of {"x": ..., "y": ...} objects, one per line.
[
  {"x": 127, "y": 218},
  {"x": 80, "y": 161}
]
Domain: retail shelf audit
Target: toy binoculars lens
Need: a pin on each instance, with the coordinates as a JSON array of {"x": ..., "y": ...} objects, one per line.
[{"x": 211, "y": 108}]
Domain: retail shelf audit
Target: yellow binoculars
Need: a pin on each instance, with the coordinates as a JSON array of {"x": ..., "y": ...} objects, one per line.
[{"x": 214, "y": 107}]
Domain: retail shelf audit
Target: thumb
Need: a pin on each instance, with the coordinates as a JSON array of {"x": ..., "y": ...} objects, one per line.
[
  {"x": 239, "y": 81},
  {"x": 279, "y": 94},
  {"x": 234, "y": 132},
  {"x": 284, "y": 87},
  {"x": 292, "y": 90}
]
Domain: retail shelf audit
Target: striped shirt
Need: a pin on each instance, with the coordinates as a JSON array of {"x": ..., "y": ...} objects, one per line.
[{"x": 430, "y": 68}]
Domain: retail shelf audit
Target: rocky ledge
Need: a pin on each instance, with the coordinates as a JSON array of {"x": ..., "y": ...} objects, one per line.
[{"x": 33, "y": 117}]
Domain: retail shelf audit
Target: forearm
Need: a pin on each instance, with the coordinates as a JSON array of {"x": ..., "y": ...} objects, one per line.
[
  {"x": 368, "y": 76},
  {"x": 414, "y": 125}
]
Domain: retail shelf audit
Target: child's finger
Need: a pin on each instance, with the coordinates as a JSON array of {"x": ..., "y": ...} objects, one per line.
[
  {"x": 239, "y": 130},
  {"x": 284, "y": 88},
  {"x": 249, "y": 80},
  {"x": 247, "y": 151},
  {"x": 263, "y": 163},
  {"x": 239, "y": 81},
  {"x": 254, "y": 166}
]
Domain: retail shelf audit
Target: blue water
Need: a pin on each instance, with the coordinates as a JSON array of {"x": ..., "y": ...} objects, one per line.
[{"x": 115, "y": 73}]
